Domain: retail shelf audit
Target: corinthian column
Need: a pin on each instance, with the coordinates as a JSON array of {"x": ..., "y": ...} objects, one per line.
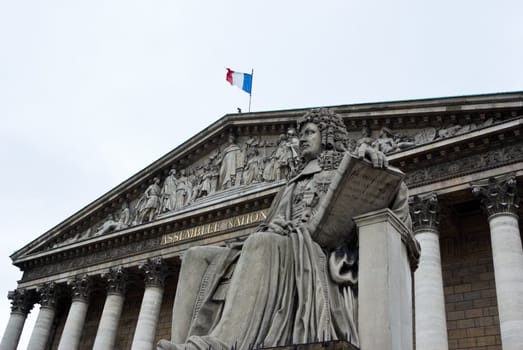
[
  {"x": 116, "y": 281},
  {"x": 499, "y": 199},
  {"x": 155, "y": 271},
  {"x": 80, "y": 287},
  {"x": 431, "y": 326},
  {"x": 21, "y": 303},
  {"x": 44, "y": 322}
]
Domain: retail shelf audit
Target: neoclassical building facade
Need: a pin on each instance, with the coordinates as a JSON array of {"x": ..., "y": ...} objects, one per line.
[{"x": 106, "y": 277}]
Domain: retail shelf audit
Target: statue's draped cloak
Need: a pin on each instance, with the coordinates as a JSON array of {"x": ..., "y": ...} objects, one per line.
[{"x": 283, "y": 288}]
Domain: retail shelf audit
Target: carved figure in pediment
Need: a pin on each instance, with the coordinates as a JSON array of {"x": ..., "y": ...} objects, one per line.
[
  {"x": 168, "y": 193},
  {"x": 109, "y": 225},
  {"x": 279, "y": 167},
  {"x": 149, "y": 203},
  {"x": 204, "y": 188},
  {"x": 424, "y": 136},
  {"x": 448, "y": 131},
  {"x": 192, "y": 187},
  {"x": 364, "y": 142},
  {"x": 292, "y": 157},
  {"x": 385, "y": 142},
  {"x": 252, "y": 172},
  {"x": 124, "y": 217},
  {"x": 231, "y": 164},
  {"x": 183, "y": 190},
  {"x": 404, "y": 141},
  {"x": 283, "y": 284}
]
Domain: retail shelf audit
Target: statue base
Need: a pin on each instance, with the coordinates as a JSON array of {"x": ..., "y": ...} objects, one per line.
[
  {"x": 329, "y": 345},
  {"x": 388, "y": 255}
]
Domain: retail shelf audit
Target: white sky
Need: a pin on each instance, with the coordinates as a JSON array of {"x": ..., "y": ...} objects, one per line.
[{"x": 93, "y": 91}]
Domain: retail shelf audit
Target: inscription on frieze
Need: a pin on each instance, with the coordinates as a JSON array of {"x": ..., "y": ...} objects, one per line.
[{"x": 214, "y": 227}]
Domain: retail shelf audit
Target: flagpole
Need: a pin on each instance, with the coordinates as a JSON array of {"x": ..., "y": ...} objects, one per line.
[{"x": 250, "y": 94}]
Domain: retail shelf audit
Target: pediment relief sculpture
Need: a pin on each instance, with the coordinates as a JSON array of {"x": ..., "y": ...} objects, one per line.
[
  {"x": 244, "y": 161},
  {"x": 389, "y": 141}
]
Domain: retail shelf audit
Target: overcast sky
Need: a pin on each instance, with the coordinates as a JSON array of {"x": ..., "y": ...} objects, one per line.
[{"x": 93, "y": 91}]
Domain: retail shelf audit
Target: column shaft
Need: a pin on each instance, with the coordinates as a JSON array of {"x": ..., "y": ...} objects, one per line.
[
  {"x": 42, "y": 329},
  {"x": 507, "y": 254},
  {"x": 14, "y": 328},
  {"x": 108, "y": 327},
  {"x": 73, "y": 325},
  {"x": 431, "y": 326},
  {"x": 148, "y": 319}
]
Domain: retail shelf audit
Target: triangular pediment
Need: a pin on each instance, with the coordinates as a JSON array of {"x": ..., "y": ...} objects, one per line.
[{"x": 244, "y": 154}]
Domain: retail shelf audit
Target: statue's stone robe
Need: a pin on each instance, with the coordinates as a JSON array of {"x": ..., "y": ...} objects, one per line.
[{"x": 285, "y": 288}]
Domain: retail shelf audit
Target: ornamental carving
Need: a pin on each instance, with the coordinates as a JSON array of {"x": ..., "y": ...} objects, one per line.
[
  {"x": 390, "y": 141},
  {"x": 248, "y": 161},
  {"x": 424, "y": 212},
  {"x": 22, "y": 301},
  {"x": 80, "y": 287},
  {"x": 486, "y": 160},
  {"x": 116, "y": 280},
  {"x": 154, "y": 271},
  {"x": 498, "y": 195},
  {"x": 48, "y": 295}
]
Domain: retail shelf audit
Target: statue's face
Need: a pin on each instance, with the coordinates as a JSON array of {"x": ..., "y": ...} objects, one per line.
[{"x": 310, "y": 141}]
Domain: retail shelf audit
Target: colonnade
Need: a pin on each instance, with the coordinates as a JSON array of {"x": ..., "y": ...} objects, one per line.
[
  {"x": 116, "y": 280},
  {"x": 498, "y": 198}
]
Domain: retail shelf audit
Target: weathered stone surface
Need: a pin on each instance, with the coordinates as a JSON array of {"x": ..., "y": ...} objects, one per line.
[
  {"x": 328, "y": 345},
  {"x": 424, "y": 212},
  {"x": 498, "y": 195},
  {"x": 154, "y": 271}
]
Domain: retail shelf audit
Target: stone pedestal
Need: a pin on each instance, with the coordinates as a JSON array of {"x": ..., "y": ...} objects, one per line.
[
  {"x": 499, "y": 199},
  {"x": 76, "y": 317},
  {"x": 154, "y": 271},
  {"x": 21, "y": 304},
  {"x": 388, "y": 255},
  {"x": 116, "y": 280},
  {"x": 44, "y": 322},
  {"x": 431, "y": 325}
]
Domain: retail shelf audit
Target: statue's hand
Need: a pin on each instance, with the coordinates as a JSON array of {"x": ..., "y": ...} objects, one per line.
[
  {"x": 278, "y": 225},
  {"x": 377, "y": 158},
  {"x": 165, "y": 345}
]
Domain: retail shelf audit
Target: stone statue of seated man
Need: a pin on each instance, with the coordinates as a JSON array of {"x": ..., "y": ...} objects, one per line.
[{"x": 280, "y": 286}]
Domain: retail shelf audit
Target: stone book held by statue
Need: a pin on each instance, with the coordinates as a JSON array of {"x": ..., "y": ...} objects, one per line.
[{"x": 356, "y": 188}]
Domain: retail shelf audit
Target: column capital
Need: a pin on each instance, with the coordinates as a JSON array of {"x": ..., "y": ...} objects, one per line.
[
  {"x": 424, "y": 211},
  {"x": 48, "y": 295},
  {"x": 116, "y": 280},
  {"x": 155, "y": 271},
  {"x": 22, "y": 301},
  {"x": 497, "y": 194},
  {"x": 80, "y": 287}
]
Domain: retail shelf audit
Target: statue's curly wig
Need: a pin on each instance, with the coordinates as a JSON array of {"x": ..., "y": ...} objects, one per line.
[{"x": 334, "y": 135}]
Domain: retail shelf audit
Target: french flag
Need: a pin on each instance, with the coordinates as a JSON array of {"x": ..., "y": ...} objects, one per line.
[{"x": 241, "y": 80}]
